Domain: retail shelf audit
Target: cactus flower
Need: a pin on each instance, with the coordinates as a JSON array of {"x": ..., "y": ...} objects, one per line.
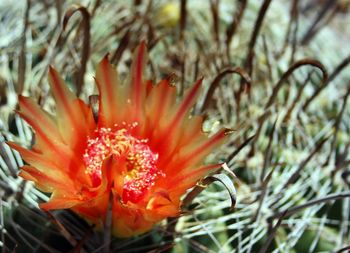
[{"x": 138, "y": 156}]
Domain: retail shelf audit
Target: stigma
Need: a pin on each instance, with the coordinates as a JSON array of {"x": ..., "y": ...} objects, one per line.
[{"x": 140, "y": 169}]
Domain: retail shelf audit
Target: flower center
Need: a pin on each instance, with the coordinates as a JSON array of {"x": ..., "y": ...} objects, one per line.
[{"x": 137, "y": 161}]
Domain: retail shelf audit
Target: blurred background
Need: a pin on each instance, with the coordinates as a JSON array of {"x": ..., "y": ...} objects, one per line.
[{"x": 276, "y": 72}]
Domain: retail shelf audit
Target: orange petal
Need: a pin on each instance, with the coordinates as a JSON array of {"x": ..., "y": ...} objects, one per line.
[
  {"x": 72, "y": 122},
  {"x": 128, "y": 221},
  {"x": 149, "y": 86},
  {"x": 47, "y": 134},
  {"x": 186, "y": 104},
  {"x": 193, "y": 134},
  {"x": 173, "y": 130},
  {"x": 208, "y": 145},
  {"x": 68, "y": 164},
  {"x": 188, "y": 177},
  {"x": 162, "y": 206},
  {"x": 60, "y": 202},
  {"x": 94, "y": 210},
  {"x": 86, "y": 115},
  {"x": 194, "y": 154},
  {"x": 117, "y": 168},
  {"x": 47, "y": 181},
  {"x": 138, "y": 87},
  {"x": 112, "y": 94},
  {"x": 159, "y": 104},
  {"x": 193, "y": 126},
  {"x": 39, "y": 160}
]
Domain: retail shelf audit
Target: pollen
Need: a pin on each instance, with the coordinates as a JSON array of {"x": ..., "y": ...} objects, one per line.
[{"x": 139, "y": 171}]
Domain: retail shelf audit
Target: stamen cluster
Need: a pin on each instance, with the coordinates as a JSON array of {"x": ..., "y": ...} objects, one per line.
[{"x": 137, "y": 161}]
